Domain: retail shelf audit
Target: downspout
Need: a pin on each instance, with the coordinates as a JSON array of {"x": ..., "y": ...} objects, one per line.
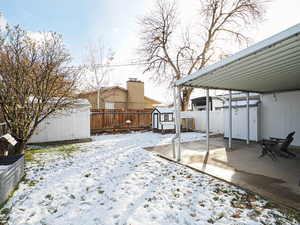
[
  {"x": 230, "y": 121},
  {"x": 248, "y": 120}
]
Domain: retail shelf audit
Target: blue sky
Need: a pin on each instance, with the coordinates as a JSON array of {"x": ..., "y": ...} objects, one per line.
[
  {"x": 52, "y": 16},
  {"x": 115, "y": 22},
  {"x": 79, "y": 21}
]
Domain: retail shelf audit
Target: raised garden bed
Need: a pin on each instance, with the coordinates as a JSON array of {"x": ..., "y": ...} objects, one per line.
[{"x": 11, "y": 172}]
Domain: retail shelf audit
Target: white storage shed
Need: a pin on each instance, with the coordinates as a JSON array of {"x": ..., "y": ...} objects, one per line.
[
  {"x": 163, "y": 119},
  {"x": 239, "y": 120},
  {"x": 71, "y": 124}
]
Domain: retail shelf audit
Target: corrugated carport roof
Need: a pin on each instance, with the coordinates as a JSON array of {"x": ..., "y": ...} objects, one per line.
[{"x": 272, "y": 65}]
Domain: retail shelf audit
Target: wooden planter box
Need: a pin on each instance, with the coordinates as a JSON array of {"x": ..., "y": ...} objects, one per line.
[{"x": 11, "y": 173}]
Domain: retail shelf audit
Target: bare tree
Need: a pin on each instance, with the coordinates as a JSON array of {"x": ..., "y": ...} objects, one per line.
[
  {"x": 99, "y": 59},
  {"x": 35, "y": 81},
  {"x": 172, "y": 54}
]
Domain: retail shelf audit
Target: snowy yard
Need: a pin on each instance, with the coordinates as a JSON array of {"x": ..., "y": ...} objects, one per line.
[{"x": 114, "y": 181}]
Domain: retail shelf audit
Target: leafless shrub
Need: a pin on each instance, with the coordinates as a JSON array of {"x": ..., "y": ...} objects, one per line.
[{"x": 36, "y": 80}]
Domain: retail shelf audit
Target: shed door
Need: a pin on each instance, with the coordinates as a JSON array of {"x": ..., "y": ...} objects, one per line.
[{"x": 155, "y": 121}]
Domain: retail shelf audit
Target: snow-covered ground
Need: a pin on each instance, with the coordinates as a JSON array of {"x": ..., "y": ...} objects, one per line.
[{"x": 114, "y": 181}]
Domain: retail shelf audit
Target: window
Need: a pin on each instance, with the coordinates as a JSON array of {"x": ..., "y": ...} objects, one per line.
[
  {"x": 166, "y": 117},
  {"x": 109, "y": 105}
]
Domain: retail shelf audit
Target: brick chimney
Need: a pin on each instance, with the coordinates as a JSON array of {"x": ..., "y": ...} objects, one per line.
[{"x": 135, "y": 96}]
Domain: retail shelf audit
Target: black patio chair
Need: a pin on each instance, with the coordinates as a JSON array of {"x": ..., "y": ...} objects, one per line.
[
  {"x": 268, "y": 148},
  {"x": 278, "y": 146},
  {"x": 285, "y": 143}
]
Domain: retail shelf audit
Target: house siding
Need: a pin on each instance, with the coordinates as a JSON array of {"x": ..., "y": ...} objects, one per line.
[
  {"x": 119, "y": 97},
  {"x": 280, "y": 115}
]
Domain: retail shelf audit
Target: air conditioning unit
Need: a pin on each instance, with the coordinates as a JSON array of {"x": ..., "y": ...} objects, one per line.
[{"x": 187, "y": 124}]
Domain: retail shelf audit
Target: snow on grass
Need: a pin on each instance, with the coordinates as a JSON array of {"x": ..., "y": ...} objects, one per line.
[{"x": 114, "y": 181}]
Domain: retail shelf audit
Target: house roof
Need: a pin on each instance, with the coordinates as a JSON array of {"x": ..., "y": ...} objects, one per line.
[
  {"x": 77, "y": 102},
  {"x": 241, "y": 103},
  {"x": 151, "y": 99},
  {"x": 82, "y": 102},
  {"x": 164, "y": 110},
  {"x": 201, "y": 100},
  {"x": 272, "y": 65},
  {"x": 104, "y": 89}
]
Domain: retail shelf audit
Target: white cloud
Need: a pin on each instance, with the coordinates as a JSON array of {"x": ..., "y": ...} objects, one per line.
[
  {"x": 116, "y": 30},
  {"x": 39, "y": 36}
]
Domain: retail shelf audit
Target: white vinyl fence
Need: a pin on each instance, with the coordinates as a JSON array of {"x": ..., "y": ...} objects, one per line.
[{"x": 216, "y": 121}]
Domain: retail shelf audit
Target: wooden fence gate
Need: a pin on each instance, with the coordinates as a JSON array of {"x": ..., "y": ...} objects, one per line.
[{"x": 117, "y": 120}]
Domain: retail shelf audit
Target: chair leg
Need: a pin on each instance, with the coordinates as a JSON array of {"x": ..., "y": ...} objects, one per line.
[
  {"x": 266, "y": 150},
  {"x": 263, "y": 152},
  {"x": 291, "y": 154},
  {"x": 273, "y": 156}
]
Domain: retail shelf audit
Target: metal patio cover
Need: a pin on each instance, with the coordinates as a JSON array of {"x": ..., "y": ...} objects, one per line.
[{"x": 272, "y": 65}]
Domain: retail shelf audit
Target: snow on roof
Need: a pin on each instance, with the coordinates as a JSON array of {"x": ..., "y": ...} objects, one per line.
[
  {"x": 82, "y": 101},
  {"x": 242, "y": 103},
  {"x": 165, "y": 110},
  {"x": 77, "y": 102},
  {"x": 238, "y": 95},
  {"x": 104, "y": 89}
]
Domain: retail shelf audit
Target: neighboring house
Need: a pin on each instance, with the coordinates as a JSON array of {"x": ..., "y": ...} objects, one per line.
[
  {"x": 199, "y": 104},
  {"x": 217, "y": 102},
  {"x": 220, "y": 114},
  {"x": 120, "y": 98}
]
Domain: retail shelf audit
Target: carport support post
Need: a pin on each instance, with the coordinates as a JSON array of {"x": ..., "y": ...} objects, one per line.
[
  {"x": 178, "y": 122},
  {"x": 248, "y": 119},
  {"x": 230, "y": 120},
  {"x": 176, "y": 135},
  {"x": 207, "y": 120}
]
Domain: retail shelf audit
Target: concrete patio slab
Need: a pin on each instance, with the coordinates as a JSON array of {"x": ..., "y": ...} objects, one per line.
[{"x": 276, "y": 180}]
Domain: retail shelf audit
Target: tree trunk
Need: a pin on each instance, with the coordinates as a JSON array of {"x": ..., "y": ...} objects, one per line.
[
  {"x": 184, "y": 106},
  {"x": 20, "y": 147},
  {"x": 186, "y": 94},
  {"x": 98, "y": 99}
]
